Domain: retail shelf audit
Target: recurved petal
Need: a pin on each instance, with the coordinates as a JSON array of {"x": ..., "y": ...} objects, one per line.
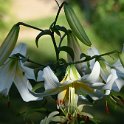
[
  {"x": 40, "y": 76},
  {"x": 23, "y": 86},
  {"x": 7, "y": 73},
  {"x": 29, "y": 73},
  {"x": 21, "y": 48},
  {"x": 105, "y": 70},
  {"x": 73, "y": 73},
  {"x": 94, "y": 75},
  {"x": 119, "y": 83},
  {"x": 48, "y": 92},
  {"x": 118, "y": 66},
  {"x": 97, "y": 84},
  {"x": 111, "y": 80},
  {"x": 91, "y": 52},
  {"x": 50, "y": 79}
]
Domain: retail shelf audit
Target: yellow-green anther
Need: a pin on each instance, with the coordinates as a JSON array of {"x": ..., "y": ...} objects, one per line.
[
  {"x": 9, "y": 43},
  {"x": 75, "y": 25}
]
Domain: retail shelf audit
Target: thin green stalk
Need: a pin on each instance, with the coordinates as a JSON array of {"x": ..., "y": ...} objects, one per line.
[
  {"x": 61, "y": 39},
  {"x": 55, "y": 46},
  {"x": 57, "y": 15},
  {"x": 27, "y": 25},
  {"x": 93, "y": 57}
]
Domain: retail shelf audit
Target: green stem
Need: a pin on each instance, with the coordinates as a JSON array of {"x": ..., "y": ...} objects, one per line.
[
  {"x": 27, "y": 25},
  {"x": 55, "y": 46},
  {"x": 61, "y": 39},
  {"x": 57, "y": 15},
  {"x": 28, "y": 60},
  {"x": 52, "y": 32},
  {"x": 93, "y": 57}
]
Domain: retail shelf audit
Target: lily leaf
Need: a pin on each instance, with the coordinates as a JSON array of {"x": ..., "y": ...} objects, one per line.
[
  {"x": 45, "y": 32},
  {"x": 61, "y": 28},
  {"x": 68, "y": 50}
]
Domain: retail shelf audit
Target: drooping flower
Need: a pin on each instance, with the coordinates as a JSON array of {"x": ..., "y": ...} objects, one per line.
[{"x": 13, "y": 71}]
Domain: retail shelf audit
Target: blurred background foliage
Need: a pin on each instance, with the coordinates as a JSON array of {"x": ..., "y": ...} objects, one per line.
[
  {"x": 107, "y": 17},
  {"x": 103, "y": 21},
  {"x": 4, "y": 16},
  {"x": 4, "y": 7}
]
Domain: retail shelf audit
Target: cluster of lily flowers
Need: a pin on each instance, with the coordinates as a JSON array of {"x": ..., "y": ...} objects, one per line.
[
  {"x": 94, "y": 79},
  {"x": 86, "y": 77}
]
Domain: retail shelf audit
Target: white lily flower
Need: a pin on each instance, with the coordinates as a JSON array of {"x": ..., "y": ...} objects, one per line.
[
  {"x": 112, "y": 77},
  {"x": 93, "y": 79},
  {"x": 104, "y": 69},
  {"x": 51, "y": 81},
  {"x": 119, "y": 67},
  {"x": 72, "y": 79},
  {"x": 13, "y": 72},
  {"x": 115, "y": 80},
  {"x": 91, "y": 52}
]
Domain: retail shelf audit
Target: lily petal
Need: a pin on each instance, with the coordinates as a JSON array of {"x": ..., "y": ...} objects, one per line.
[
  {"x": 7, "y": 73},
  {"x": 77, "y": 85},
  {"x": 119, "y": 83},
  {"x": 105, "y": 70},
  {"x": 97, "y": 84},
  {"x": 73, "y": 73},
  {"x": 118, "y": 66},
  {"x": 23, "y": 86},
  {"x": 40, "y": 76},
  {"x": 107, "y": 92},
  {"x": 94, "y": 76},
  {"x": 21, "y": 48},
  {"x": 111, "y": 79},
  {"x": 91, "y": 52},
  {"x": 51, "y": 81},
  {"x": 73, "y": 43},
  {"x": 29, "y": 73}
]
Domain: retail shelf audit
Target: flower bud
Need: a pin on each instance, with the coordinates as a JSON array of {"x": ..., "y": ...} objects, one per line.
[{"x": 9, "y": 43}]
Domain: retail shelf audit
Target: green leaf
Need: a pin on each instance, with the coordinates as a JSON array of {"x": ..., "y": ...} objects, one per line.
[
  {"x": 61, "y": 28},
  {"x": 37, "y": 86},
  {"x": 58, "y": 28},
  {"x": 68, "y": 50},
  {"x": 45, "y": 32}
]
